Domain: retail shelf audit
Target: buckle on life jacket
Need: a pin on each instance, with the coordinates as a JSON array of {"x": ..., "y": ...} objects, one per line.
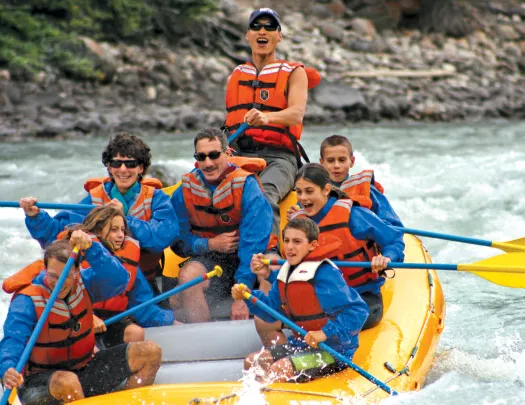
[
  {"x": 257, "y": 106},
  {"x": 256, "y": 84}
]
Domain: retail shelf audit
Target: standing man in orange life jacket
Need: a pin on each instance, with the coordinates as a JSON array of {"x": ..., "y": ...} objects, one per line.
[{"x": 270, "y": 95}]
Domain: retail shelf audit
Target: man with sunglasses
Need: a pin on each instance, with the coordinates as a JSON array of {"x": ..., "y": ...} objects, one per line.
[
  {"x": 62, "y": 366},
  {"x": 224, "y": 219},
  {"x": 149, "y": 213},
  {"x": 270, "y": 95}
]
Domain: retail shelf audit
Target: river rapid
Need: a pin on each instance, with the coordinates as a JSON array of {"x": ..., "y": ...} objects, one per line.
[{"x": 452, "y": 178}]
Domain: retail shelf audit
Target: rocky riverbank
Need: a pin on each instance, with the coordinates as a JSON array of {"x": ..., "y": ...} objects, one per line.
[{"x": 368, "y": 74}]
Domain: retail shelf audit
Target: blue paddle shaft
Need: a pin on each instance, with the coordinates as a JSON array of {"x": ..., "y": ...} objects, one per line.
[
  {"x": 323, "y": 345},
  {"x": 237, "y": 133},
  {"x": 41, "y": 321},
  {"x": 51, "y": 206},
  {"x": 453, "y": 238},
  {"x": 158, "y": 298},
  {"x": 393, "y": 265}
]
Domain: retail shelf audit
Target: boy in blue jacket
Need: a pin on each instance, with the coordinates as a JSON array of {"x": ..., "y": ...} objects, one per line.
[{"x": 313, "y": 294}]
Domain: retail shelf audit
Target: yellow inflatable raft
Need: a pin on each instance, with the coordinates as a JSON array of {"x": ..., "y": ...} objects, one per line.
[{"x": 202, "y": 362}]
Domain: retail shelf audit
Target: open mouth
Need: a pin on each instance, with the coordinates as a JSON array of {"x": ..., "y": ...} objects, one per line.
[
  {"x": 262, "y": 41},
  {"x": 307, "y": 206}
]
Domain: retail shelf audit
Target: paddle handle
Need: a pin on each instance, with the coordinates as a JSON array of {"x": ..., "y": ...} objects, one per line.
[
  {"x": 216, "y": 272},
  {"x": 43, "y": 318},
  {"x": 323, "y": 345},
  {"x": 237, "y": 133},
  {"x": 394, "y": 265},
  {"x": 51, "y": 206}
]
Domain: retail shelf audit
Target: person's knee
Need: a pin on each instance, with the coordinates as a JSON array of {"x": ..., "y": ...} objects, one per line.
[
  {"x": 249, "y": 361},
  {"x": 190, "y": 271},
  {"x": 144, "y": 353},
  {"x": 133, "y": 333},
  {"x": 62, "y": 382}
]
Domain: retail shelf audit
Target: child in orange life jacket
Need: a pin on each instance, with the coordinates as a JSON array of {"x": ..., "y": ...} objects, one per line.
[
  {"x": 311, "y": 292},
  {"x": 365, "y": 237},
  {"x": 109, "y": 226},
  {"x": 338, "y": 158}
]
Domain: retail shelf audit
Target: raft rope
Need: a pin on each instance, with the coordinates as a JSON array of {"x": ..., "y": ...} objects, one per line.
[
  {"x": 431, "y": 310},
  {"x": 197, "y": 401}
]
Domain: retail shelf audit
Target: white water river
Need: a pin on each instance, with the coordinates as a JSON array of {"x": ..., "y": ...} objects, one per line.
[{"x": 460, "y": 179}]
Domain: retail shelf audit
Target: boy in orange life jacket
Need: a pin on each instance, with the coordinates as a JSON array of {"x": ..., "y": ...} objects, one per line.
[
  {"x": 270, "y": 95},
  {"x": 335, "y": 312},
  {"x": 338, "y": 158},
  {"x": 62, "y": 366}
]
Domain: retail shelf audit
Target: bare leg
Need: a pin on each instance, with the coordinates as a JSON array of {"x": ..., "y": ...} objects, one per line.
[
  {"x": 262, "y": 360},
  {"x": 65, "y": 386},
  {"x": 144, "y": 361},
  {"x": 193, "y": 299},
  {"x": 133, "y": 333},
  {"x": 270, "y": 333},
  {"x": 281, "y": 370}
]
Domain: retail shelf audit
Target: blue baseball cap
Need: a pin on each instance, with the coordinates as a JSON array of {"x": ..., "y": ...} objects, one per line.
[{"x": 264, "y": 11}]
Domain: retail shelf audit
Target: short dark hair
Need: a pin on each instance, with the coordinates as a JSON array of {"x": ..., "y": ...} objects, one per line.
[
  {"x": 58, "y": 250},
  {"x": 337, "y": 140},
  {"x": 211, "y": 134},
  {"x": 127, "y": 145},
  {"x": 307, "y": 225}
]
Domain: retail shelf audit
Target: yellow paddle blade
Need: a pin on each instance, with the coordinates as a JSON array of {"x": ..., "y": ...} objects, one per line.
[
  {"x": 516, "y": 245},
  {"x": 507, "y": 269},
  {"x": 171, "y": 189}
]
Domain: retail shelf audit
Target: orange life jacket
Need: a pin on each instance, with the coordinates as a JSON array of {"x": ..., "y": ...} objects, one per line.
[
  {"x": 141, "y": 209},
  {"x": 357, "y": 187},
  {"x": 298, "y": 296},
  {"x": 66, "y": 341},
  {"x": 210, "y": 215},
  {"x": 336, "y": 222},
  {"x": 265, "y": 91},
  {"x": 128, "y": 255}
]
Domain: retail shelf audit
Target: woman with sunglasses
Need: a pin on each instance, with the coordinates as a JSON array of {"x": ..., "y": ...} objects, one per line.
[
  {"x": 270, "y": 95},
  {"x": 151, "y": 218}
]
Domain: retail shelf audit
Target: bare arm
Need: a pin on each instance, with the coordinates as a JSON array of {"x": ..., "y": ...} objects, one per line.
[{"x": 297, "y": 96}]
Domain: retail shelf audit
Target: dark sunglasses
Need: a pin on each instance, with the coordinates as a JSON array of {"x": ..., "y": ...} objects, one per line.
[
  {"x": 130, "y": 164},
  {"x": 201, "y": 157},
  {"x": 269, "y": 26}
]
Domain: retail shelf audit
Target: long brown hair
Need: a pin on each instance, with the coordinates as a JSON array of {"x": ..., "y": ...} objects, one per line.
[{"x": 97, "y": 219}]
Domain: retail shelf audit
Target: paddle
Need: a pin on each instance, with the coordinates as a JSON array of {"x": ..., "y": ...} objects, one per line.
[
  {"x": 217, "y": 271},
  {"x": 51, "y": 206},
  {"x": 323, "y": 345},
  {"x": 507, "y": 269},
  {"x": 237, "y": 133},
  {"x": 516, "y": 245},
  {"x": 43, "y": 318}
]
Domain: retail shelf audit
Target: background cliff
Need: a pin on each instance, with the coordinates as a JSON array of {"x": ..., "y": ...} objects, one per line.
[{"x": 88, "y": 66}]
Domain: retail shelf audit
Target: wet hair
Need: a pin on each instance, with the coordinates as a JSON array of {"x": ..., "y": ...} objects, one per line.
[
  {"x": 97, "y": 219},
  {"x": 307, "y": 225},
  {"x": 130, "y": 146},
  {"x": 60, "y": 251},
  {"x": 318, "y": 175},
  {"x": 211, "y": 134},
  {"x": 336, "y": 140}
]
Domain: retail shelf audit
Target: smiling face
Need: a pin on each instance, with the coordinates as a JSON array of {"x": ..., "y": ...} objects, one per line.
[
  {"x": 311, "y": 197},
  {"x": 212, "y": 169},
  {"x": 114, "y": 232},
  {"x": 53, "y": 272},
  {"x": 337, "y": 160},
  {"x": 263, "y": 42},
  {"x": 124, "y": 177},
  {"x": 296, "y": 245}
]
